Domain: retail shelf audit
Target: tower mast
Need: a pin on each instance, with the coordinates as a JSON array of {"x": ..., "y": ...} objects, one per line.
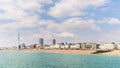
[{"x": 18, "y": 39}]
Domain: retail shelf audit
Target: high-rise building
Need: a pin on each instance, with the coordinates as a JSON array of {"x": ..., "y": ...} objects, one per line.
[
  {"x": 54, "y": 41},
  {"x": 41, "y": 42}
]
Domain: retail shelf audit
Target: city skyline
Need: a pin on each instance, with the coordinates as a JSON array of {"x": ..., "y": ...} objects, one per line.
[{"x": 63, "y": 20}]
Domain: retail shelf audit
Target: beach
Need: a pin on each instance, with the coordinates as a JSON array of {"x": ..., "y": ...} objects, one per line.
[
  {"x": 61, "y": 51},
  {"x": 115, "y": 52}
]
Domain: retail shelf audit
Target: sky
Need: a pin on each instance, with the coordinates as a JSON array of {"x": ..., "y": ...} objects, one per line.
[{"x": 64, "y": 20}]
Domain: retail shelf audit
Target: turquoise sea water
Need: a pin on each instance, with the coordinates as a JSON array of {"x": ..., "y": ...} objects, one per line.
[{"x": 56, "y": 60}]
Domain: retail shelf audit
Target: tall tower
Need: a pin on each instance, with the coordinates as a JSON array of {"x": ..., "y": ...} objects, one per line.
[
  {"x": 19, "y": 47},
  {"x": 54, "y": 41}
]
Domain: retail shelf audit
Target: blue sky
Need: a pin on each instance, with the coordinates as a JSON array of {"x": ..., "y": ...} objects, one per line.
[{"x": 64, "y": 20}]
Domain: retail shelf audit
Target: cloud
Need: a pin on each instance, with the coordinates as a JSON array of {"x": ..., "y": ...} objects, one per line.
[
  {"x": 23, "y": 14},
  {"x": 109, "y": 36},
  {"x": 21, "y": 9},
  {"x": 111, "y": 21},
  {"x": 75, "y": 25},
  {"x": 67, "y": 30},
  {"x": 114, "y": 21},
  {"x": 48, "y": 35},
  {"x": 70, "y": 8},
  {"x": 66, "y": 35}
]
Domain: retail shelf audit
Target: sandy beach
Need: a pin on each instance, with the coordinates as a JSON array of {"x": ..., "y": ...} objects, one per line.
[
  {"x": 61, "y": 51},
  {"x": 115, "y": 52}
]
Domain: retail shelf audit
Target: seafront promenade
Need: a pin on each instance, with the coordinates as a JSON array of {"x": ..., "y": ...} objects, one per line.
[{"x": 71, "y": 48}]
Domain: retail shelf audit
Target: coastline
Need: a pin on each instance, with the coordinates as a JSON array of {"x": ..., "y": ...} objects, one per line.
[
  {"x": 61, "y": 51},
  {"x": 115, "y": 52}
]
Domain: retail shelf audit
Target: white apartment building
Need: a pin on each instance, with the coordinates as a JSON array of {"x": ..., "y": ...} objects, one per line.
[{"x": 107, "y": 46}]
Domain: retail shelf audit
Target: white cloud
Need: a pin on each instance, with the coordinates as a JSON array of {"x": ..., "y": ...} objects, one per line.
[
  {"x": 48, "y": 34},
  {"x": 68, "y": 29},
  {"x": 18, "y": 10},
  {"x": 26, "y": 23},
  {"x": 21, "y": 9},
  {"x": 69, "y": 8},
  {"x": 75, "y": 25},
  {"x": 23, "y": 14},
  {"x": 111, "y": 21},
  {"x": 114, "y": 21},
  {"x": 66, "y": 35},
  {"x": 110, "y": 36}
]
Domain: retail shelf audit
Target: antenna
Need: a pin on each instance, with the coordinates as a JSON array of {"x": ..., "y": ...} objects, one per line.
[{"x": 18, "y": 39}]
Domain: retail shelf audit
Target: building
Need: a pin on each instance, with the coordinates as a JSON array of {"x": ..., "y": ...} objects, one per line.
[
  {"x": 107, "y": 46},
  {"x": 32, "y": 46},
  {"x": 19, "y": 47},
  {"x": 56, "y": 46},
  {"x": 64, "y": 46},
  {"x": 41, "y": 43},
  {"x": 118, "y": 46},
  {"x": 75, "y": 46},
  {"x": 88, "y": 45},
  {"x": 54, "y": 41},
  {"x": 23, "y": 46}
]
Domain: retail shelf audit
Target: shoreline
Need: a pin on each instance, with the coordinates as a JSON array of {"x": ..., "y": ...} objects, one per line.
[
  {"x": 61, "y": 51},
  {"x": 115, "y": 52}
]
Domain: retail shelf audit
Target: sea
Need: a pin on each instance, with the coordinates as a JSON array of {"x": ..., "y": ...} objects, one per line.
[{"x": 57, "y": 60}]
